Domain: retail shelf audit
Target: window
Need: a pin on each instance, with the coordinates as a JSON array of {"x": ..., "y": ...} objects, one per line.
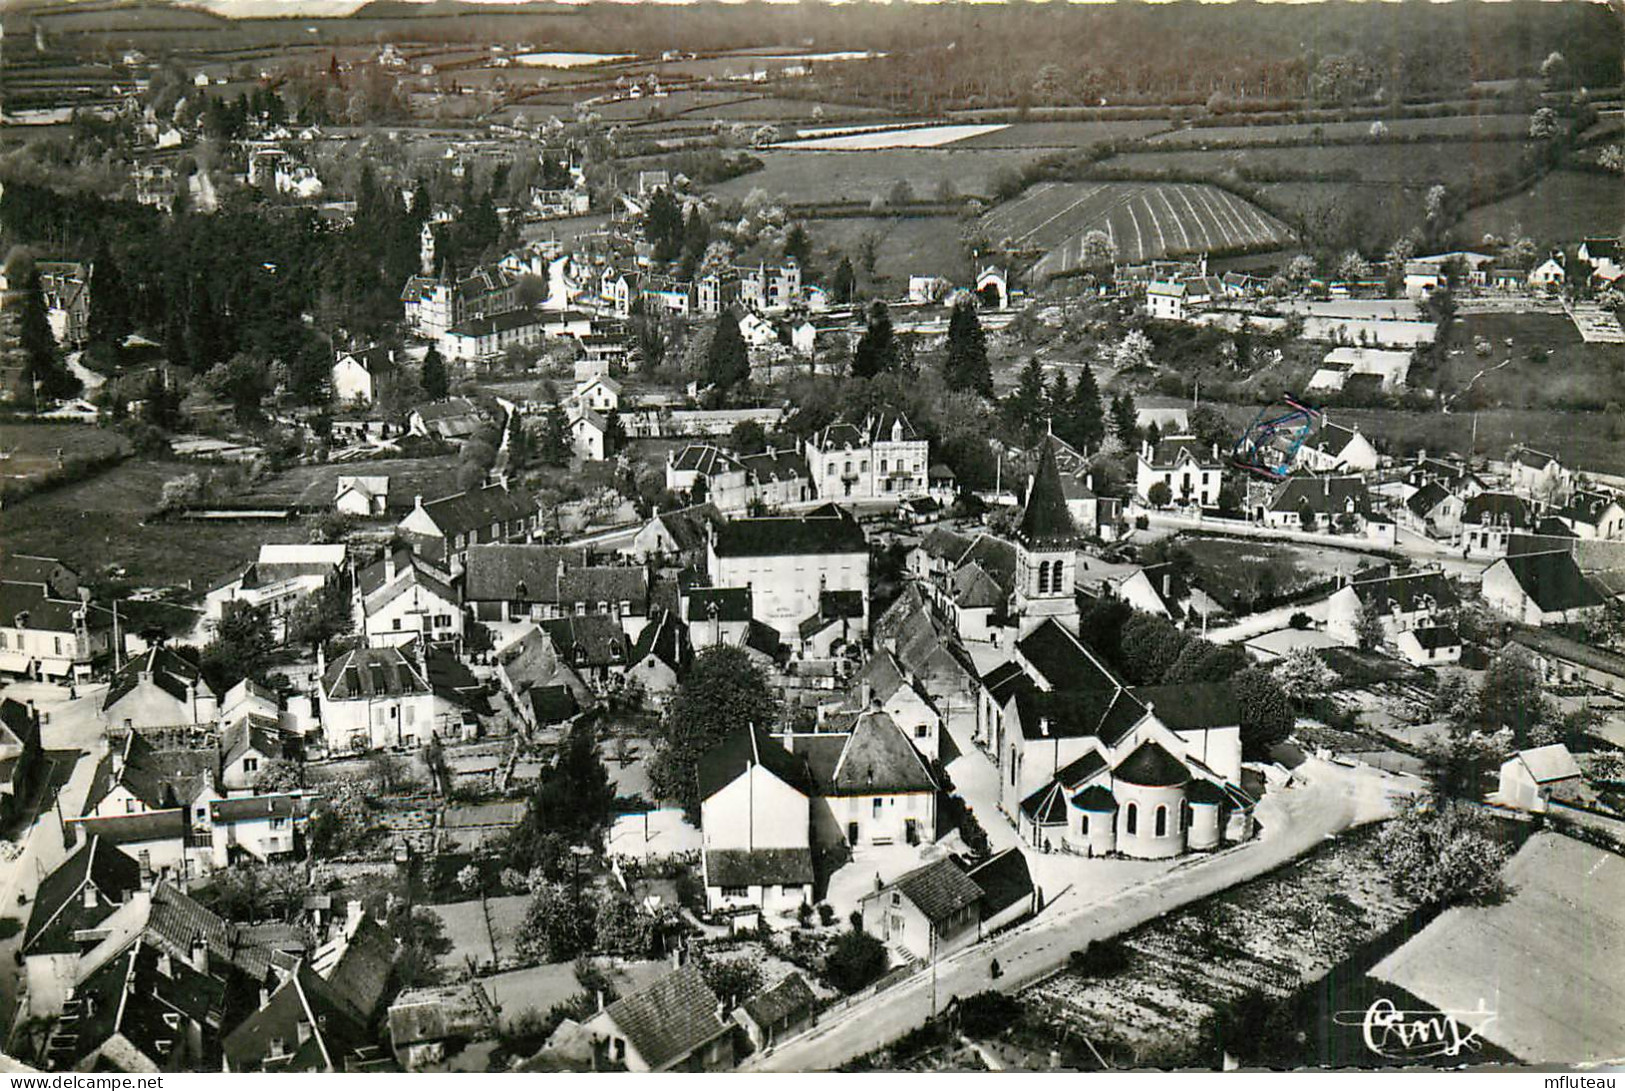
[
  {"x": 57, "y": 641},
  {"x": 878, "y": 803},
  {"x": 896, "y": 898},
  {"x": 1131, "y": 819},
  {"x": 202, "y": 813},
  {"x": 395, "y": 624},
  {"x": 1161, "y": 822},
  {"x": 251, "y": 765},
  {"x": 3, "y": 641},
  {"x": 279, "y": 823},
  {"x": 129, "y": 806},
  {"x": 1085, "y": 825},
  {"x": 735, "y": 892},
  {"x": 922, "y": 731}
]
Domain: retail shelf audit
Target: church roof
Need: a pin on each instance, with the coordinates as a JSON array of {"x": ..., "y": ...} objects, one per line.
[{"x": 1046, "y": 522}]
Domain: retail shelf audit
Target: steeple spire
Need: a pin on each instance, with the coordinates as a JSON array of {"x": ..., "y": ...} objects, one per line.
[{"x": 1046, "y": 523}]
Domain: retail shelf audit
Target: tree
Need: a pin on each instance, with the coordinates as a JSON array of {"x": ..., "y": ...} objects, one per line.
[
  {"x": 733, "y": 980},
  {"x": 572, "y": 798},
  {"x": 855, "y": 961},
  {"x": 39, "y": 349},
  {"x": 1160, "y": 495},
  {"x": 1083, "y": 419},
  {"x": 1511, "y": 695},
  {"x": 621, "y": 928},
  {"x": 877, "y": 351},
  {"x": 1306, "y": 516},
  {"x": 556, "y": 448},
  {"x": 1543, "y": 124},
  {"x": 1028, "y": 403},
  {"x": 558, "y": 924},
  {"x": 966, "y": 365},
  {"x": 987, "y": 1014},
  {"x": 845, "y": 281},
  {"x": 1266, "y": 713},
  {"x": 1097, "y": 253},
  {"x": 1555, "y": 71},
  {"x": 798, "y": 245},
  {"x": 1303, "y": 675},
  {"x": 1368, "y": 628},
  {"x": 1124, "y": 419},
  {"x": 1301, "y": 269},
  {"x": 241, "y": 646},
  {"x": 243, "y": 382},
  {"x": 1442, "y": 852},
  {"x": 651, "y": 338},
  {"x": 727, "y": 360},
  {"x": 1150, "y": 646},
  {"x": 724, "y": 692},
  {"x": 110, "y": 314},
  {"x": 614, "y": 433},
  {"x": 748, "y": 437},
  {"x": 280, "y": 775},
  {"x": 1133, "y": 352},
  {"x": 433, "y": 378}
]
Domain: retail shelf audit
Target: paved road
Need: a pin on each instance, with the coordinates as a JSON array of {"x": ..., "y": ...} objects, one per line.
[{"x": 1326, "y": 800}]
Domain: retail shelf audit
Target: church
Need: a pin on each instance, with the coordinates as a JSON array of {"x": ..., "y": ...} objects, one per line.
[{"x": 1088, "y": 764}]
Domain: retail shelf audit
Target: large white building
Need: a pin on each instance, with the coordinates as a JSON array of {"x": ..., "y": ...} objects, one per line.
[
  {"x": 1192, "y": 470},
  {"x": 883, "y": 457},
  {"x": 790, "y": 562}
]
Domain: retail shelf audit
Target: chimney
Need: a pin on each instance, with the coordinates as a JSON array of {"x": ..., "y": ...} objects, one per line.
[
  {"x": 90, "y": 896},
  {"x": 389, "y": 565},
  {"x": 200, "y": 954},
  {"x": 866, "y": 693},
  {"x": 1043, "y": 726},
  {"x": 417, "y": 502},
  {"x": 1167, "y": 584},
  {"x": 166, "y": 965},
  {"x": 598, "y": 995},
  {"x": 302, "y": 1029},
  {"x": 321, "y": 662}
]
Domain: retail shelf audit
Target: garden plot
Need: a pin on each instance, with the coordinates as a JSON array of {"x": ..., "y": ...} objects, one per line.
[
  {"x": 1273, "y": 934},
  {"x": 1143, "y": 220},
  {"x": 933, "y": 136},
  {"x": 1481, "y": 126}
]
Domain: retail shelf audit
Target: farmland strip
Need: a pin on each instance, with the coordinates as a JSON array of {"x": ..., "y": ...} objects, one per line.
[
  {"x": 1204, "y": 222},
  {"x": 1139, "y": 239},
  {"x": 1162, "y": 194},
  {"x": 1268, "y": 226},
  {"x": 1039, "y": 227},
  {"x": 1144, "y": 201},
  {"x": 1223, "y": 214}
]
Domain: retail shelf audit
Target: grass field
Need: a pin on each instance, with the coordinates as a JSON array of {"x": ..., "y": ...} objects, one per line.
[
  {"x": 1239, "y": 571},
  {"x": 1062, "y": 134},
  {"x": 1144, "y": 219},
  {"x": 1410, "y": 164},
  {"x": 32, "y": 448},
  {"x": 1563, "y": 206},
  {"x": 1551, "y": 367},
  {"x": 825, "y": 177},
  {"x": 930, "y": 136},
  {"x": 314, "y": 486},
  {"x": 1379, "y": 212},
  {"x": 1218, "y": 135},
  {"x": 924, "y": 245},
  {"x": 103, "y": 523}
]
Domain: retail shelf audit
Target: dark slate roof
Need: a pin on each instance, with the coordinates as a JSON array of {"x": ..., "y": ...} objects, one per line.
[
  {"x": 1426, "y": 498},
  {"x": 253, "y": 808},
  {"x": 1006, "y": 679},
  {"x": 549, "y": 575},
  {"x": 372, "y": 672},
  {"x": 588, "y": 640},
  {"x": 758, "y": 867},
  {"x": 18, "y": 725},
  {"x": 1046, "y": 522},
  {"x": 1151, "y": 766},
  {"x": 46, "y": 613},
  {"x": 721, "y": 765},
  {"x": 690, "y": 527},
  {"x": 995, "y": 556},
  {"x": 158, "y": 778},
  {"x": 1436, "y": 636},
  {"x": 938, "y": 890},
  {"x": 776, "y": 465},
  {"x": 244, "y": 736},
  {"x": 478, "y": 509},
  {"x": 360, "y": 977},
  {"x": 1588, "y": 507},
  {"x": 1192, "y": 706},
  {"x": 1548, "y": 643},
  {"x": 1497, "y": 509},
  {"x": 1530, "y": 457},
  {"x": 945, "y": 543},
  {"x": 1047, "y": 806},
  {"x": 730, "y": 603},
  {"x": 670, "y": 1018},
  {"x": 1081, "y": 769},
  {"x": 1064, "y": 660},
  {"x": 1410, "y": 591},
  {"x": 59, "y": 907},
  {"x": 170, "y": 670},
  {"x": 552, "y": 704},
  {"x": 788, "y": 1000},
  {"x": 182, "y": 991},
  {"x": 1322, "y": 495},
  {"x": 1096, "y": 798},
  {"x": 875, "y": 758},
  {"x": 1170, "y": 452},
  {"x": 762, "y": 637},
  {"x": 1202, "y": 790},
  {"x": 665, "y": 638},
  {"x": 1004, "y": 880},
  {"x": 1554, "y": 581},
  {"x": 134, "y": 829},
  {"x": 706, "y": 459},
  {"x": 1108, "y": 715},
  {"x": 828, "y": 529},
  {"x": 336, "y": 1032},
  {"x": 974, "y": 589}
]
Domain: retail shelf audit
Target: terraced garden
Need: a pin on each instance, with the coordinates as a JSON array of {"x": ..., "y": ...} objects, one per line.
[{"x": 1143, "y": 220}]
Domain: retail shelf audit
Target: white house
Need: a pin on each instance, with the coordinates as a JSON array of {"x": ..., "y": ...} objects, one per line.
[
  {"x": 1192, "y": 471},
  {"x": 589, "y": 434},
  {"x": 279, "y": 580},
  {"x": 790, "y": 562},
  {"x": 756, "y": 825},
  {"x": 884, "y": 457},
  {"x": 600, "y": 394},
  {"x": 1549, "y": 275},
  {"x": 359, "y": 377},
  {"x": 362, "y": 496},
  {"x": 1429, "y": 645},
  {"x": 375, "y": 698},
  {"x": 402, "y": 598},
  {"x": 1404, "y": 601},
  {"x": 1541, "y": 589},
  {"x": 1335, "y": 449},
  {"x": 1531, "y": 779}
]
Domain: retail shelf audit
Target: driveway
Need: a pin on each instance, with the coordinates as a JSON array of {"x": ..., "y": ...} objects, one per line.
[{"x": 1326, "y": 800}]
